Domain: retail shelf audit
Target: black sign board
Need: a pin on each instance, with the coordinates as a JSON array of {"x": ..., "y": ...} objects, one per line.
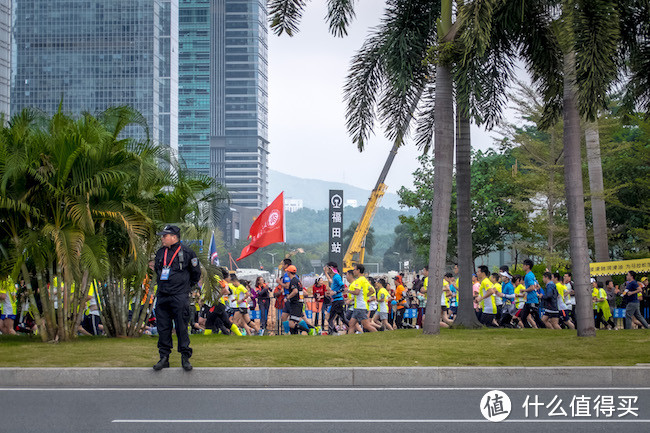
[{"x": 336, "y": 227}]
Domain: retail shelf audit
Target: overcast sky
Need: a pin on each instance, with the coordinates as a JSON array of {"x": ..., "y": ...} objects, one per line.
[{"x": 307, "y": 112}]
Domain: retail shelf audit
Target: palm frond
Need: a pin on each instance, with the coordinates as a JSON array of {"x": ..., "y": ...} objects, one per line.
[
  {"x": 410, "y": 29},
  {"x": 389, "y": 73},
  {"x": 596, "y": 29},
  {"x": 363, "y": 84},
  {"x": 339, "y": 15},
  {"x": 634, "y": 54},
  {"x": 285, "y": 15},
  {"x": 426, "y": 121},
  {"x": 542, "y": 53}
]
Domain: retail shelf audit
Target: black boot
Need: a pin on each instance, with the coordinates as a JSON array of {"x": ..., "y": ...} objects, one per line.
[
  {"x": 185, "y": 362},
  {"x": 163, "y": 363}
]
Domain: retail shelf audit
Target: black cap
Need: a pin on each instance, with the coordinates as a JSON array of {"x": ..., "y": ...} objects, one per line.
[{"x": 170, "y": 230}]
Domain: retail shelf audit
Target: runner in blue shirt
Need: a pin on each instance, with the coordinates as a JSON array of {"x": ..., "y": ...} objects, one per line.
[
  {"x": 336, "y": 287},
  {"x": 508, "y": 294},
  {"x": 284, "y": 283},
  {"x": 532, "y": 299}
]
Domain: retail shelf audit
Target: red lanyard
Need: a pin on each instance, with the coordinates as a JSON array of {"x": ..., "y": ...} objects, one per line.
[{"x": 165, "y": 265}]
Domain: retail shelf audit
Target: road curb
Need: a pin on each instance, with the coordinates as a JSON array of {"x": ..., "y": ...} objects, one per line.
[{"x": 535, "y": 377}]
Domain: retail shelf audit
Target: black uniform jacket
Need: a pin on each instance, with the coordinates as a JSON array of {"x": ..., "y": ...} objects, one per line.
[{"x": 184, "y": 273}]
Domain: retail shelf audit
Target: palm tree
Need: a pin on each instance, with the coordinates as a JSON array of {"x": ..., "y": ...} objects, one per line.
[
  {"x": 442, "y": 181},
  {"x": 490, "y": 35},
  {"x": 466, "y": 316},
  {"x": 571, "y": 55},
  {"x": 634, "y": 62},
  {"x": 597, "y": 189},
  {"x": 388, "y": 79},
  {"x": 82, "y": 203}
]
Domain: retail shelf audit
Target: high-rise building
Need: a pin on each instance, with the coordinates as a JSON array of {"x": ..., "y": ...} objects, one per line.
[
  {"x": 5, "y": 56},
  {"x": 194, "y": 85},
  {"x": 94, "y": 54},
  {"x": 224, "y": 52}
]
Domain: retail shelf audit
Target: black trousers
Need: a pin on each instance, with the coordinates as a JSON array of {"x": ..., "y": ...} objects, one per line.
[
  {"x": 218, "y": 319},
  {"x": 399, "y": 318},
  {"x": 173, "y": 309},
  {"x": 337, "y": 310},
  {"x": 488, "y": 320},
  {"x": 531, "y": 309}
]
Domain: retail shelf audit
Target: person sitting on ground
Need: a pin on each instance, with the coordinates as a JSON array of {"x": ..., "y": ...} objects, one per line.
[{"x": 217, "y": 319}]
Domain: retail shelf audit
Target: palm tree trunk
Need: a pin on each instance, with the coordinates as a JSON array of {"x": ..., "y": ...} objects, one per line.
[
  {"x": 43, "y": 331},
  {"x": 595, "y": 165},
  {"x": 442, "y": 183},
  {"x": 465, "y": 317},
  {"x": 80, "y": 303},
  {"x": 137, "y": 313},
  {"x": 48, "y": 309},
  {"x": 61, "y": 309},
  {"x": 575, "y": 202},
  {"x": 551, "y": 199}
]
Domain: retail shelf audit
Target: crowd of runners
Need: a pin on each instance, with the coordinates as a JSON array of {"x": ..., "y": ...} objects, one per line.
[{"x": 354, "y": 302}]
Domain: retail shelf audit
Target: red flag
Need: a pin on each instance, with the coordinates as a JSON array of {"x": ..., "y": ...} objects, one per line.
[{"x": 267, "y": 229}]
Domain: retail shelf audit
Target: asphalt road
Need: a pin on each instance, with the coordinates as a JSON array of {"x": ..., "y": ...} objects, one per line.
[{"x": 289, "y": 410}]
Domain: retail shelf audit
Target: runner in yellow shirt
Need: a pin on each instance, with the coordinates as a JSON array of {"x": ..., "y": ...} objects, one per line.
[
  {"x": 383, "y": 299},
  {"x": 601, "y": 307},
  {"x": 565, "y": 311},
  {"x": 361, "y": 290},
  {"x": 520, "y": 300},
  {"x": 486, "y": 298},
  {"x": 8, "y": 300},
  {"x": 241, "y": 316},
  {"x": 445, "y": 300}
]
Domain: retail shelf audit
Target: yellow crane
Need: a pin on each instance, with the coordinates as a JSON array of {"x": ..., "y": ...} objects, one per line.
[{"x": 357, "y": 248}]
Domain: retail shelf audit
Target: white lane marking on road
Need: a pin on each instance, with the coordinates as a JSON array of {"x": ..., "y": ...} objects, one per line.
[
  {"x": 367, "y": 421},
  {"x": 379, "y": 388}
]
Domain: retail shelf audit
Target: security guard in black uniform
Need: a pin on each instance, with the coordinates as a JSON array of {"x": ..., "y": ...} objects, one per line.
[{"x": 178, "y": 270}]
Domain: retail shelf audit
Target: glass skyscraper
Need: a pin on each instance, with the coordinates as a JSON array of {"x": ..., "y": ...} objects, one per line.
[
  {"x": 93, "y": 54},
  {"x": 5, "y": 57},
  {"x": 224, "y": 132},
  {"x": 194, "y": 85}
]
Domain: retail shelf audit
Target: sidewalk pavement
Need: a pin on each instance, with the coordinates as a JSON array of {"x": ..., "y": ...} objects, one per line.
[{"x": 534, "y": 377}]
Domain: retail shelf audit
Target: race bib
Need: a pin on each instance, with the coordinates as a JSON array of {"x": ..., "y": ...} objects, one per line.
[{"x": 164, "y": 275}]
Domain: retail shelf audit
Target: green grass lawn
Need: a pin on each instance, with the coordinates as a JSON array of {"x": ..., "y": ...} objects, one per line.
[{"x": 484, "y": 347}]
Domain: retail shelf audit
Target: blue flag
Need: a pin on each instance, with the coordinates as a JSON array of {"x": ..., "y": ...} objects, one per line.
[{"x": 214, "y": 257}]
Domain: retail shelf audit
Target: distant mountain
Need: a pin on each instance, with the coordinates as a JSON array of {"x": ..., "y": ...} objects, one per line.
[
  {"x": 314, "y": 193},
  {"x": 309, "y": 226}
]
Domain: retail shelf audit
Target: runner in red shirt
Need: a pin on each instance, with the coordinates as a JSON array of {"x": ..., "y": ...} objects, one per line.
[{"x": 318, "y": 290}]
